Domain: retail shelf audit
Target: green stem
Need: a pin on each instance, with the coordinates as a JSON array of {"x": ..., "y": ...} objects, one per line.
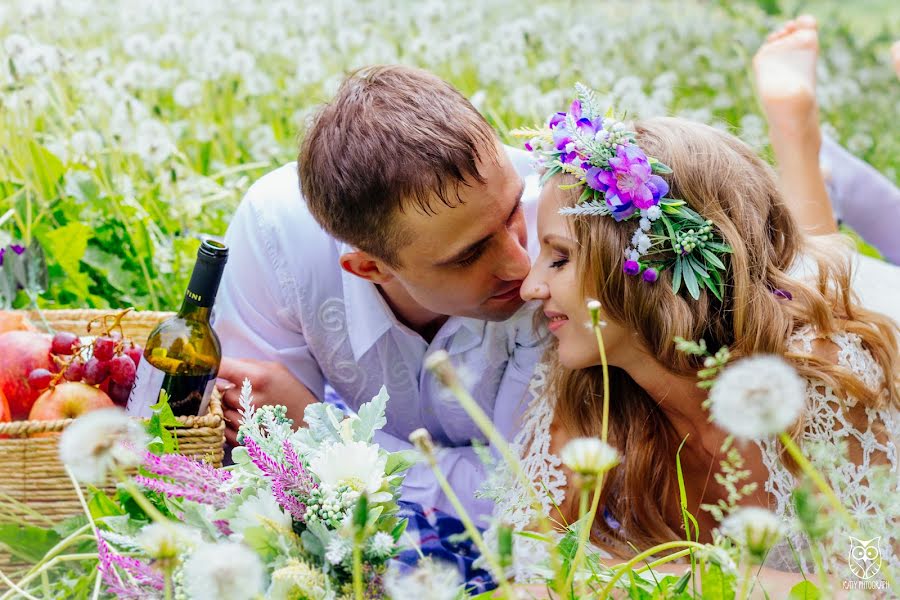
[
  {"x": 15, "y": 588},
  {"x": 811, "y": 472},
  {"x": 820, "y": 569},
  {"x": 357, "y": 571},
  {"x": 604, "y": 426},
  {"x": 664, "y": 560},
  {"x": 622, "y": 569},
  {"x": 748, "y": 573},
  {"x": 494, "y": 437},
  {"x": 49, "y": 565},
  {"x": 167, "y": 590},
  {"x": 585, "y": 530},
  {"x": 817, "y": 478},
  {"x": 33, "y": 298},
  {"x": 470, "y": 527},
  {"x": 142, "y": 500}
]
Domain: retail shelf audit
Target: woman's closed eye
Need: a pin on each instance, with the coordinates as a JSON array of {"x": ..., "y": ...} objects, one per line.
[{"x": 559, "y": 260}]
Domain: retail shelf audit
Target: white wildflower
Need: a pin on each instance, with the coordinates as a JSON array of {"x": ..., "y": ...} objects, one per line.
[
  {"x": 297, "y": 579},
  {"x": 755, "y": 528},
  {"x": 589, "y": 456},
  {"x": 634, "y": 255},
  {"x": 653, "y": 213},
  {"x": 260, "y": 511},
  {"x": 223, "y": 571},
  {"x": 644, "y": 224},
  {"x": 355, "y": 464},
  {"x": 99, "y": 441},
  {"x": 757, "y": 397},
  {"x": 338, "y": 550},
  {"x": 431, "y": 579},
  {"x": 188, "y": 93},
  {"x": 381, "y": 544},
  {"x": 165, "y": 541}
]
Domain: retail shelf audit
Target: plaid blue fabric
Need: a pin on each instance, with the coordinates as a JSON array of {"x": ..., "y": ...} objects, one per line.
[{"x": 441, "y": 537}]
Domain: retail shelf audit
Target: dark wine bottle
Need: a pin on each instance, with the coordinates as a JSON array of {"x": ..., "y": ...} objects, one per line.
[{"x": 182, "y": 354}]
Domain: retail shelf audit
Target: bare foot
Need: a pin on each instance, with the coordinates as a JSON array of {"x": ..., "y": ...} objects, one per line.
[
  {"x": 895, "y": 56},
  {"x": 785, "y": 72}
]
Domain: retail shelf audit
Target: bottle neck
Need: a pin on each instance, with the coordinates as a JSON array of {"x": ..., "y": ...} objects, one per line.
[
  {"x": 202, "y": 289},
  {"x": 190, "y": 311}
]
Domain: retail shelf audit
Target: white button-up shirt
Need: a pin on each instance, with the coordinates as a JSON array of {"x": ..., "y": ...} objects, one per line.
[{"x": 284, "y": 297}]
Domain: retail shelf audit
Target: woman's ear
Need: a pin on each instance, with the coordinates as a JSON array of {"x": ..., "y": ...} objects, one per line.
[{"x": 366, "y": 266}]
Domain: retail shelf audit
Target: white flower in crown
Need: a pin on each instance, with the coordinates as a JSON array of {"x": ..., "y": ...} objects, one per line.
[
  {"x": 100, "y": 441},
  {"x": 223, "y": 571},
  {"x": 757, "y": 529},
  {"x": 589, "y": 456},
  {"x": 355, "y": 464},
  {"x": 757, "y": 397}
]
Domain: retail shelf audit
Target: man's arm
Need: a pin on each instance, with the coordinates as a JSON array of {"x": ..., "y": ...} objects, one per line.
[{"x": 261, "y": 336}]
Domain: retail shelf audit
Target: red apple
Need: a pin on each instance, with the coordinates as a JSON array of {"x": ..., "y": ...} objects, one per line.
[
  {"x": 67, "y": 401},
  {"x": 20, "y": 353},
  {"x": 4, "y": 409}
]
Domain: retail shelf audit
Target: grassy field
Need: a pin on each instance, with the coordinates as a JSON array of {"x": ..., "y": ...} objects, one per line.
[{"x": 129, "y": 129}]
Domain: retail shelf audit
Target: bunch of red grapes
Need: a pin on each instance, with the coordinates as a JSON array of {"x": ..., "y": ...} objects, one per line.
[{"x": 109, "y": 362}]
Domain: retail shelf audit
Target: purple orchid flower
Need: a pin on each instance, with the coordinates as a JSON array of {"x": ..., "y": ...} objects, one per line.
[
  {"x": 556, "y": 119},
  {"x": 575, "y": 109},
  {"x": 630, "y": 179}
]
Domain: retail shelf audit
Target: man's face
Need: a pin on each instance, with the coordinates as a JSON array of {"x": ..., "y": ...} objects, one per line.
[{"x": 469, "y": 260}]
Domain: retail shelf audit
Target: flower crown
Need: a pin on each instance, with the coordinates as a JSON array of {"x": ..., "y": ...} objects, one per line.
[{"x": 621, "y": 181}]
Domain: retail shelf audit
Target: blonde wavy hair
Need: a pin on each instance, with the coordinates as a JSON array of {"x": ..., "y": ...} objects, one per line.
[{"x": 724, "y": 180}]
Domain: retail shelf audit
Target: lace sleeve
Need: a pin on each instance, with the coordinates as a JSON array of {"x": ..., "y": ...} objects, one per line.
[
  {"x": 513, "y": 505},
  {"x": 853, "y": 446}
]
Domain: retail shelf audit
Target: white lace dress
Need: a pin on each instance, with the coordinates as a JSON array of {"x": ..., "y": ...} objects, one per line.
[{"x": 875, "y": 504}]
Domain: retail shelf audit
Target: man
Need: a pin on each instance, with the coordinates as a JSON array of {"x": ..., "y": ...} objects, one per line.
[{"x": 409, "y": 237}]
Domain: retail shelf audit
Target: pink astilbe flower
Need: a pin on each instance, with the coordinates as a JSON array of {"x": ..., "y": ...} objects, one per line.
[
  {"x": 184, "y": 477},
  {"x": 287, "y": 481},
  {"x": 141, "y": 580}
]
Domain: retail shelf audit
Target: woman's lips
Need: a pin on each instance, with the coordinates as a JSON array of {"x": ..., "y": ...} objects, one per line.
[{"x": 556, "y": 320}]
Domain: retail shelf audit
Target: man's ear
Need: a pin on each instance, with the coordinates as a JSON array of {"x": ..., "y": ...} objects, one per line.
[{"x": 362, "y": 264}]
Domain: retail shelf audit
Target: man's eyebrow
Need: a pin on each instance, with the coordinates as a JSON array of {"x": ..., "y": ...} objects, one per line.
[{"x": 484, "y": 240}]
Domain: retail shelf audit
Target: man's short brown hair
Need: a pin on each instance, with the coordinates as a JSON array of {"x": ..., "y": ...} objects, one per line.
[{"x": 392, "y": 137}]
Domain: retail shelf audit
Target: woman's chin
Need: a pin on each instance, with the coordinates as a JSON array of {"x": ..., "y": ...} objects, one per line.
[{"x": 577, "y": 358}]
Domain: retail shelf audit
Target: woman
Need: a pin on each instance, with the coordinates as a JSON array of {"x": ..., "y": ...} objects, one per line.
[{"x": 846, "y": 354}]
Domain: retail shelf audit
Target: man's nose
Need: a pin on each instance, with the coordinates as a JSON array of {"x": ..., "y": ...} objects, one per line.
[{"x": 514, "y": 261}]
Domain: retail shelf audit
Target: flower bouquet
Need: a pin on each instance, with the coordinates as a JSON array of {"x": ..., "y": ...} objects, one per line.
[{"x": 301, "y": 514}]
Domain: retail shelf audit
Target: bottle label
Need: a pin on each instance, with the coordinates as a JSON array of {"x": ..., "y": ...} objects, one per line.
[
  {"x": 148, "y": 381},
  {"x": 188, "y": 394}
]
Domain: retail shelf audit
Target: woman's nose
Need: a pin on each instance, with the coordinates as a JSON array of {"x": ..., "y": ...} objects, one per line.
[{"x": 533, "y": 288}]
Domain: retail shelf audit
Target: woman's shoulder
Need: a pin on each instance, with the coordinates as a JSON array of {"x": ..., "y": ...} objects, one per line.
[{"x": 843, "y": 348}]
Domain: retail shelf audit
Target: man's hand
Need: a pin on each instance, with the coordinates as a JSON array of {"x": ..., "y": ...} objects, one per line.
[{"x": 272, "y": 384}]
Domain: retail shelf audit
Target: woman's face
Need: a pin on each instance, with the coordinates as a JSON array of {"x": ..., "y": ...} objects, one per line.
[{"x": 554, "y": 281}]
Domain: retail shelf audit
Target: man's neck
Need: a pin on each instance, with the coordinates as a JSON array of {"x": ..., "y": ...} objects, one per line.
[{"x": 411, "y": 313}]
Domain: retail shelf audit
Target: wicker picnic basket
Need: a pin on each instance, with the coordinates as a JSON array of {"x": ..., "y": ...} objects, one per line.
[{"x": 30, "y": 470}]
